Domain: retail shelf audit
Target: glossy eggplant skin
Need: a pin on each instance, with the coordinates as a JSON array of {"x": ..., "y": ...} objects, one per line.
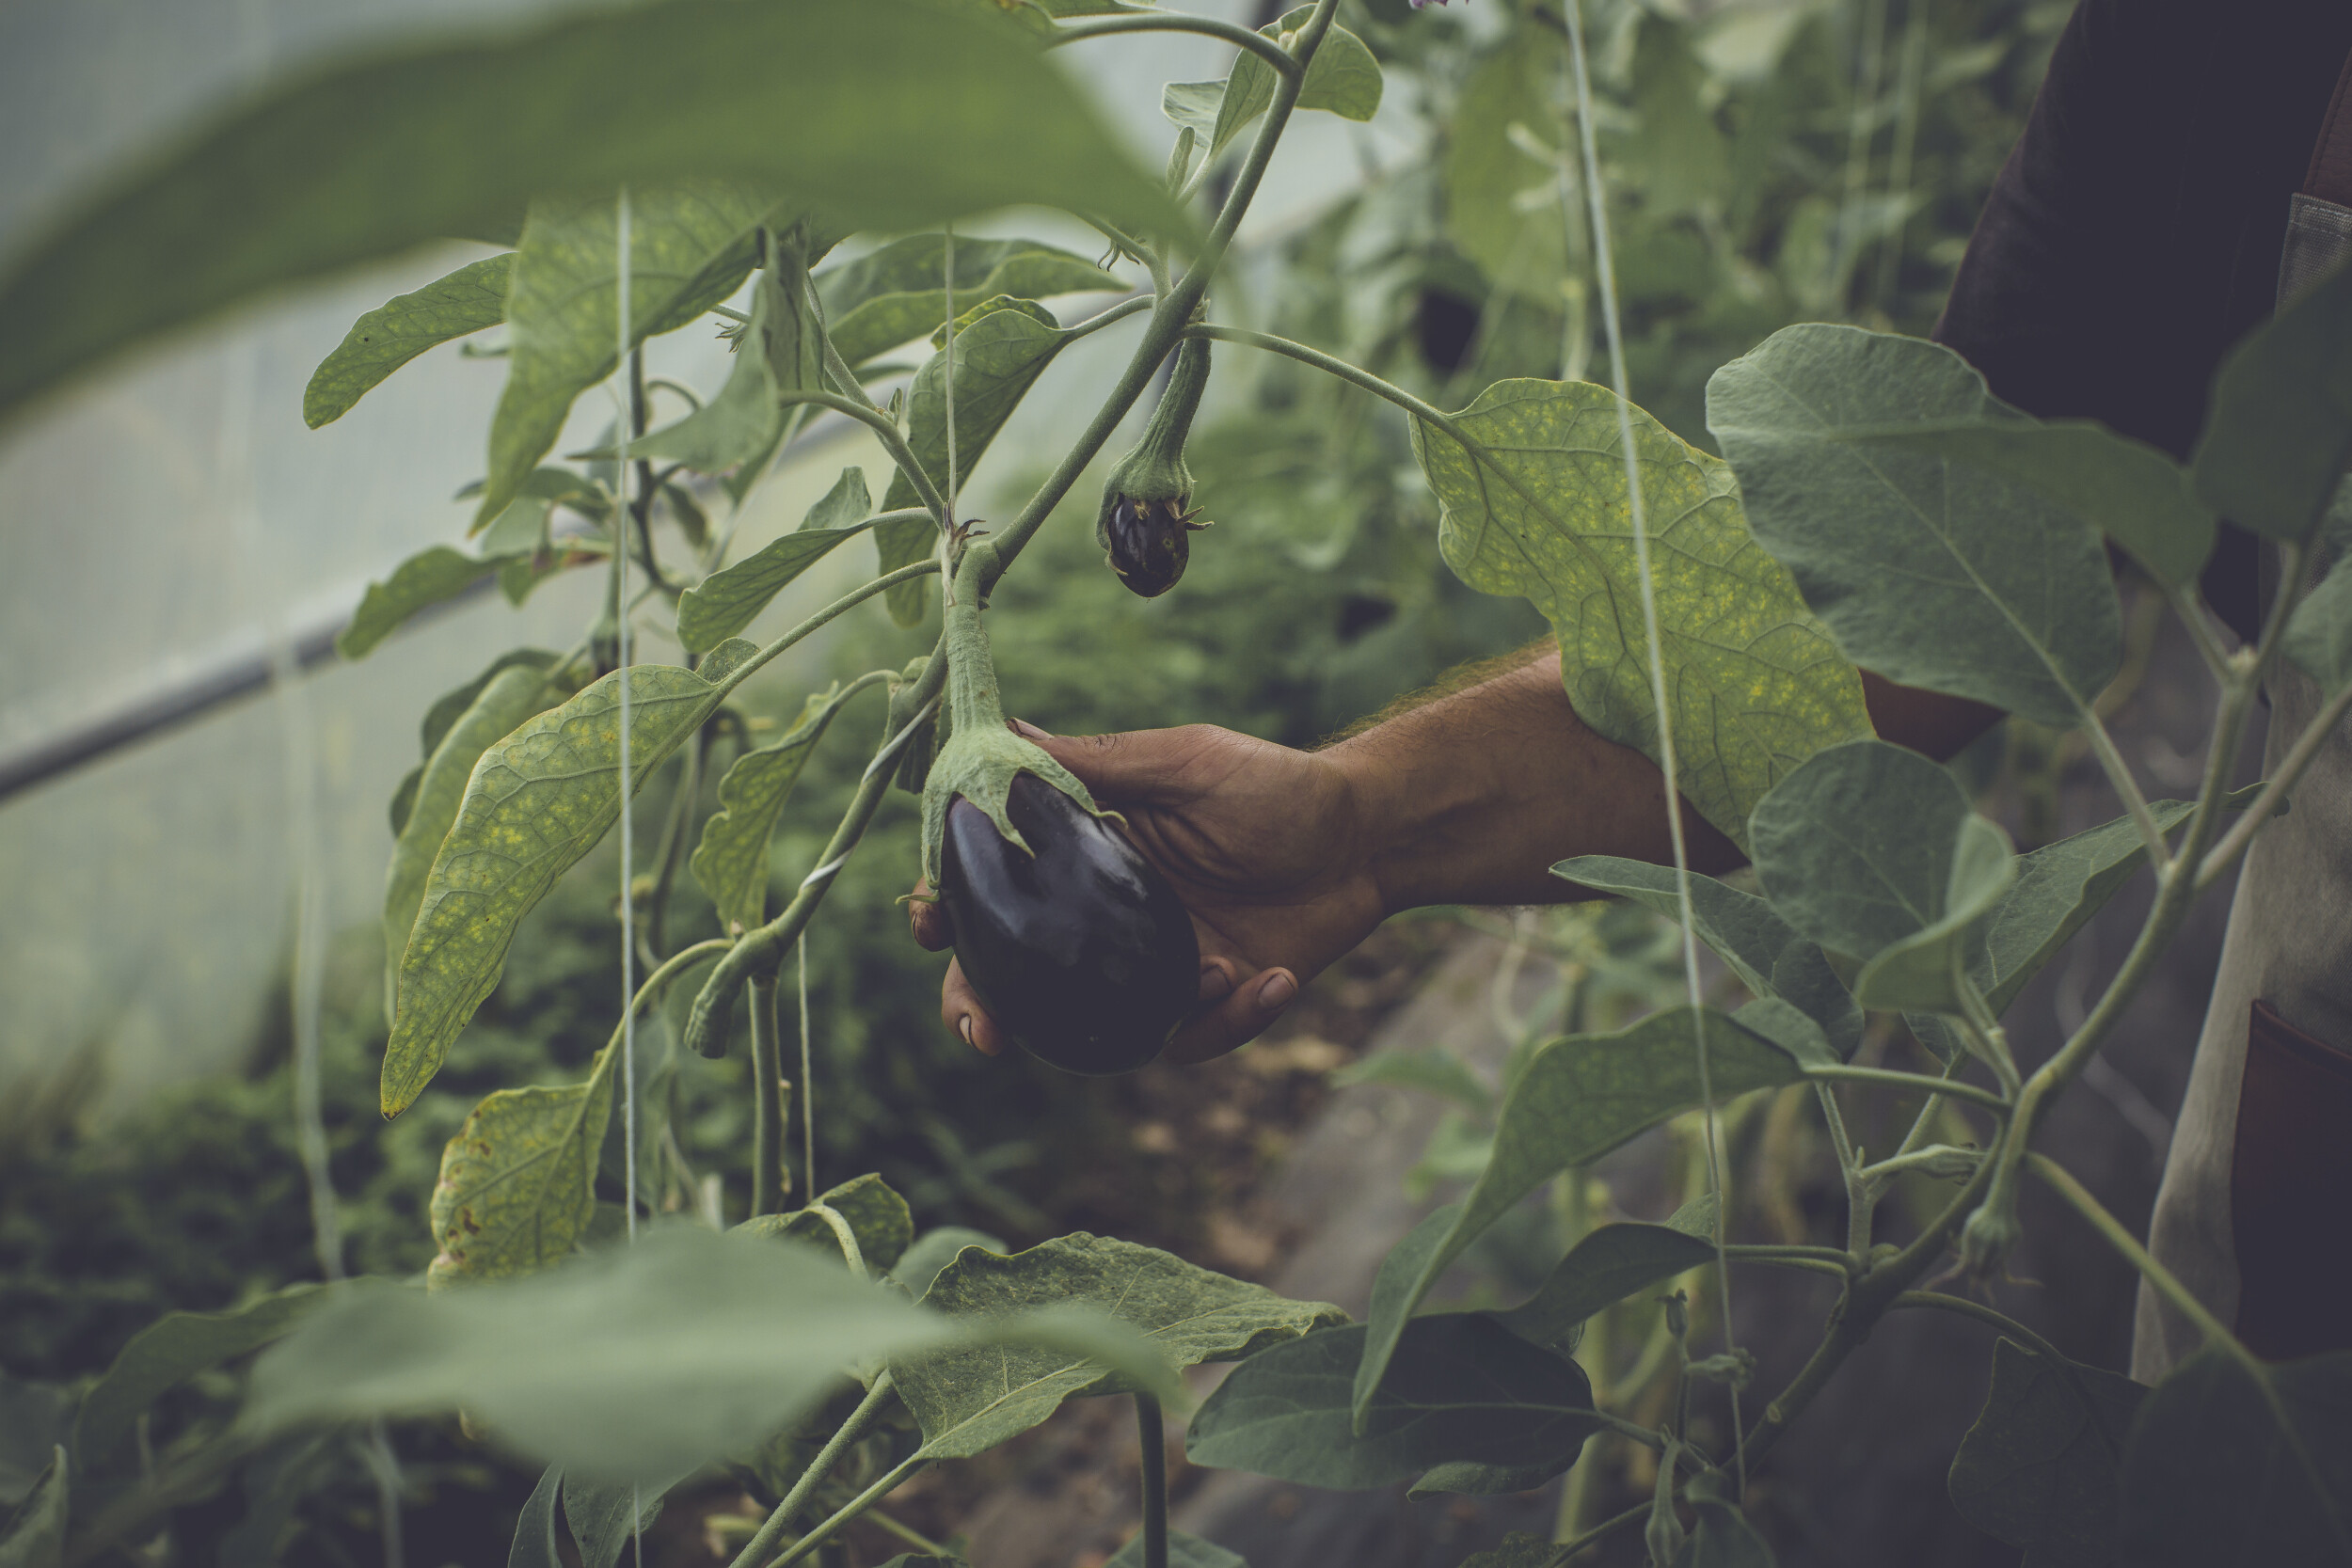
[
  {"x": 1083, "y": 955},
  {"x": 1150, "y": 544}
]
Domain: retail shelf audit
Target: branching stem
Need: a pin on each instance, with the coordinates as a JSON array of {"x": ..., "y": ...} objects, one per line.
[
  {"x": 1917, "y": 1082},
  {"x": 755, "y": 1551}
]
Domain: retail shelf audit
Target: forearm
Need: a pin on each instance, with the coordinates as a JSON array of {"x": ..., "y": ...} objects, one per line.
[{"x": 1471, "y": 797}]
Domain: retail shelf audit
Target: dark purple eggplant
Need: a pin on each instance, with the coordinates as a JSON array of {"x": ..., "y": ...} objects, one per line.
[
  {"x": 1082, "y": 954},
  {"x": 1149, "y": 543}
]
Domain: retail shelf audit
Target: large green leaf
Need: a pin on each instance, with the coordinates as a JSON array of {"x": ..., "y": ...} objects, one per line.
[
  {"x": 508, "y": 697},
  {"x": 998, "y": 359},
  {"x": 1934, "y": 573},
  {"x": 1577, "y": 1099},
  {"x": 173, "y": 1349},
  {"x": 731, "y": 862},
  {"x": 1541, "y": 511},
  {"x": 640, "y": 1362},
  {"x": 933, "y": 1251},
  {"x": 518, "y": 1181},
  {"x": 538, "y": 800},
  {"x": 1919, "y": 971},
  {"x": 605, "y": 1516},
  {"x": 688, "y": 249},
  {"x": 1460, "y": 1388},
  {"x": 887, "y": 114},
  {"x": 535, "y": 1544},
  {"x": 2212, "y": 1475},
  {"x": 34, "y": 1536},
  {"x": 2037, "y": 1470},
  {"x": 428, "y": 577},
  {"x": 970, "y": 1401},
  {"x": 731, "y": 599},
  {"x": 396, "y": 331},
  {"x": 1603, "y": 1269},
  {"x": 1344, "y": 77},
  {"x": 894, "y": 295},
  {"x": 2280, "y": 435},
  {"x": 876, "y": 1215}
]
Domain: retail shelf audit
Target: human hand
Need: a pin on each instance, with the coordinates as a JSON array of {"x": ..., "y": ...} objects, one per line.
[{"x": 1264, "y": 844}]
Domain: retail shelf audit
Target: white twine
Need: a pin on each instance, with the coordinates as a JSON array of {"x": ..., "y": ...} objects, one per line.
[
  {"x": 1597, "y": 205},
  {"x": 808, "y": 1101}
]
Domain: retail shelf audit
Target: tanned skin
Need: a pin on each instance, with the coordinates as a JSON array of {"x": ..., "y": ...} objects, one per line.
[{"x": 1288, "y": 858}]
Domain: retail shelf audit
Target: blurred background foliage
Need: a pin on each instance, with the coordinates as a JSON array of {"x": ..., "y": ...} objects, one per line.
[{"x": 1766, "y": 162}]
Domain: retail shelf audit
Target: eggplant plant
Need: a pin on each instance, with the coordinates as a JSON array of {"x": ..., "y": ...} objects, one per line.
[{"x": 1873, "y": 507}]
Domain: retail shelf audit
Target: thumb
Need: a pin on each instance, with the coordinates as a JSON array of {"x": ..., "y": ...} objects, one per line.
[{"x": 1137, "y": 767}]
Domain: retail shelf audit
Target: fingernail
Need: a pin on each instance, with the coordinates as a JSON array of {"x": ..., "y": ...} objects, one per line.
[
  {"x": 963, "y": 1027},
  {"x": 1029, "y": 731},
  {"x": 1277, "y": 990}
]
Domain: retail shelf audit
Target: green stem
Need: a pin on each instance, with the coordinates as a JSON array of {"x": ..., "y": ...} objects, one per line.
[
  {"x": 1917, "y": 1082},
  {"x": 671, "y": 852},
  {"x": 1858, "y": 1204},
  {"x": 2064, "y": 1365},
  {"x": 756, "y": 1549},
  {"x": 1339, "y": 367},
  {"x": 1153, "y": 1436},
  {"x": 2119, "y": 774},
  {"x": 2274, "y": 792},
  {"x": 1821, "y": 1260},
  {"x": 1984, "y": 1031},
  {"x": 893, "y": 441},
  {"x": 1177, "y": 21},
  {"x": 1106, "y": 317},
  {"x": 841, "y": 606},
  {"x": 848, "y": 1513},
  {"x": 844, "y": 1236},
  {"x": 1912, "y": 1159},
  {"x": 767, "y": 1102}
]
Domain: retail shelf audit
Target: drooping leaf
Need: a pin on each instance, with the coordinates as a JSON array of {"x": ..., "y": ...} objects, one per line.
[
  {"x": 689, "y": 247},
  {"x": 970, "y": 1401},
  {"x": 1432, "y": 1069},
  {"x": 876, "y": 1216},
  {"x": 604, "y": 1516},
  {"x": 396, "y": 331},
  {"x": 2037, "y": 1470},
  {"x": 1934, "y": 573},
  {"x": 738, "y": 424},
  {"x": 518, "y": 1181},
  {"x": 509, "y": 697},
  {"x": 1184, "y": 1551},
  {"x": 1344, "y": 78},
  {"x": 1542, "y": 512},
  {"x": 1917, "y": 971},
  {"x": 1459, "y": 1387},
  {"x": 535, "y": 1544},
  {"x": 430, "y": 576},
  {"x": 1578, "y": 1098},
  {"x": 889, "y": 114},
  {"x": 933, "y": 1251},
  {"x": 1606, "y": 1266},
  {"x": 1787, "y": 1025},
  {"x": 538, "y": 800},
  {"x": 893, "y": 295},
  {"x": 173, "y": 1349},
  {"x": 34, "y": 1536},
  {"x": 2212, "y": 1475},
  {"x": 701, "y": 1345},
  {"x": 2280, "y": 435},
  {"x": 1192, "y": 107},
  {"x": 731, "y": 862},
  {"x": 730, "y": 599}
]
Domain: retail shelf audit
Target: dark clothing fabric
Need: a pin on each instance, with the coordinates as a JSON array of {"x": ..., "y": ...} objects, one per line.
[
  {"x": 2135, "y": 233},
  {"x": 2293, "y": 1158}
]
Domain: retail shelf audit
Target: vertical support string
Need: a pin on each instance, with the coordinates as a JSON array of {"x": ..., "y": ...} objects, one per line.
[
  {"x": 809, "y": 1078},
  {"x": 947, "y": 367},
  {"x": 1595, "y": 198}
]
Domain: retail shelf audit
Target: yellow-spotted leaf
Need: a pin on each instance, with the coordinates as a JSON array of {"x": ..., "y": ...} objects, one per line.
[{"x": 519, "y": 1182}]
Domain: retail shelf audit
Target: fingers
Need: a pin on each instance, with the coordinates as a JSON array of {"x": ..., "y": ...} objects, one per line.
[
  {"x": 1246, "y": 1008},
  {"x": 962, "y": 1013},
  {"x": 927, "y": 918},
  {"x": 1139, "y": 766}
]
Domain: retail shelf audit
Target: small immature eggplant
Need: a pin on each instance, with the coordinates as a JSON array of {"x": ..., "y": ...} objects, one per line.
[
  {"x": 1081, "y": 952},
  {"x": 1146, "y": 517},
  {"x": 1148, "y": 543}
]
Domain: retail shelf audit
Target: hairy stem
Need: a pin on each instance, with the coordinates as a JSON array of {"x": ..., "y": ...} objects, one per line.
[
  {"x": 755, "y": 1551},
  {"x": 893, "y": 441},
  {"x": 847, "y": 1513},
  {"x": 767, "y": 1102},
  {"x": 848, "y": 601}
]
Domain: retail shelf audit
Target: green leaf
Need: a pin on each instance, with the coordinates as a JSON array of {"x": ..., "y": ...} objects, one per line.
[
  {"x": 2211, "y": 1475},
  {"x": 1432, "y": 1069},
  {"x": 1499, "y": 207},
  {"x": 2037, "y": 1470},
  {"x": 889, "y": 114},
  {"x": 2060, "y": 886},
  {"x": 35, "y": 1534},
  {"x": 395, "y": 332},
  {"x": 970, "y": 1401},
  {"x": 2280, "y": 435},
  {"x": 1344, "y": 77},
  {"x": 428, "y": 577},
  {"x": 876, "y": 1216},
  {"x": 701, "y": 1345},
  {"x": 275, "y": 1483},
  {"x": 731, "y": 862},
  {"x": 1871, "y": 849},
  {"x": 1460, "y": 1387},
  {"x": 998, "y": 359},
  {"x": 450, "y": 706},
  {"x": 1483, "y": 1480},
  {"x": 173, "y": 1349},
  {"x": 1193, "y": 107},
  {"x": 738, "y": 424},
  {"x": 1757, "y": 686},
  {"x": 2318, "y": 634},
  {"x": 502, "y": 704},
  {"x": 564, "y": 301},
  {"x": 538, "y": 800},
  {"x": 1184, "y": 1551},
  {"x": 1610, "y": 1264},
  {"x": 1519, "y": 1550},
  {"x": 604, "y": 1516},
  {"x": 893, "y": 296},
  {"x": 1933, "y": 572},
  {"x": 2131, "y": 492},
  {"x": 1682, "y": 161},
  {"x": 535, "y": 1544},
  {"x": 1722, "y": 1538},
  {"x": 730, "y": 599},
  {"x": 1768, "y": 957},
  {"x": 518, "y": 1181},
  {"x": 1577, "y": 1099},
  {"x": 933, "y": 1251}
]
